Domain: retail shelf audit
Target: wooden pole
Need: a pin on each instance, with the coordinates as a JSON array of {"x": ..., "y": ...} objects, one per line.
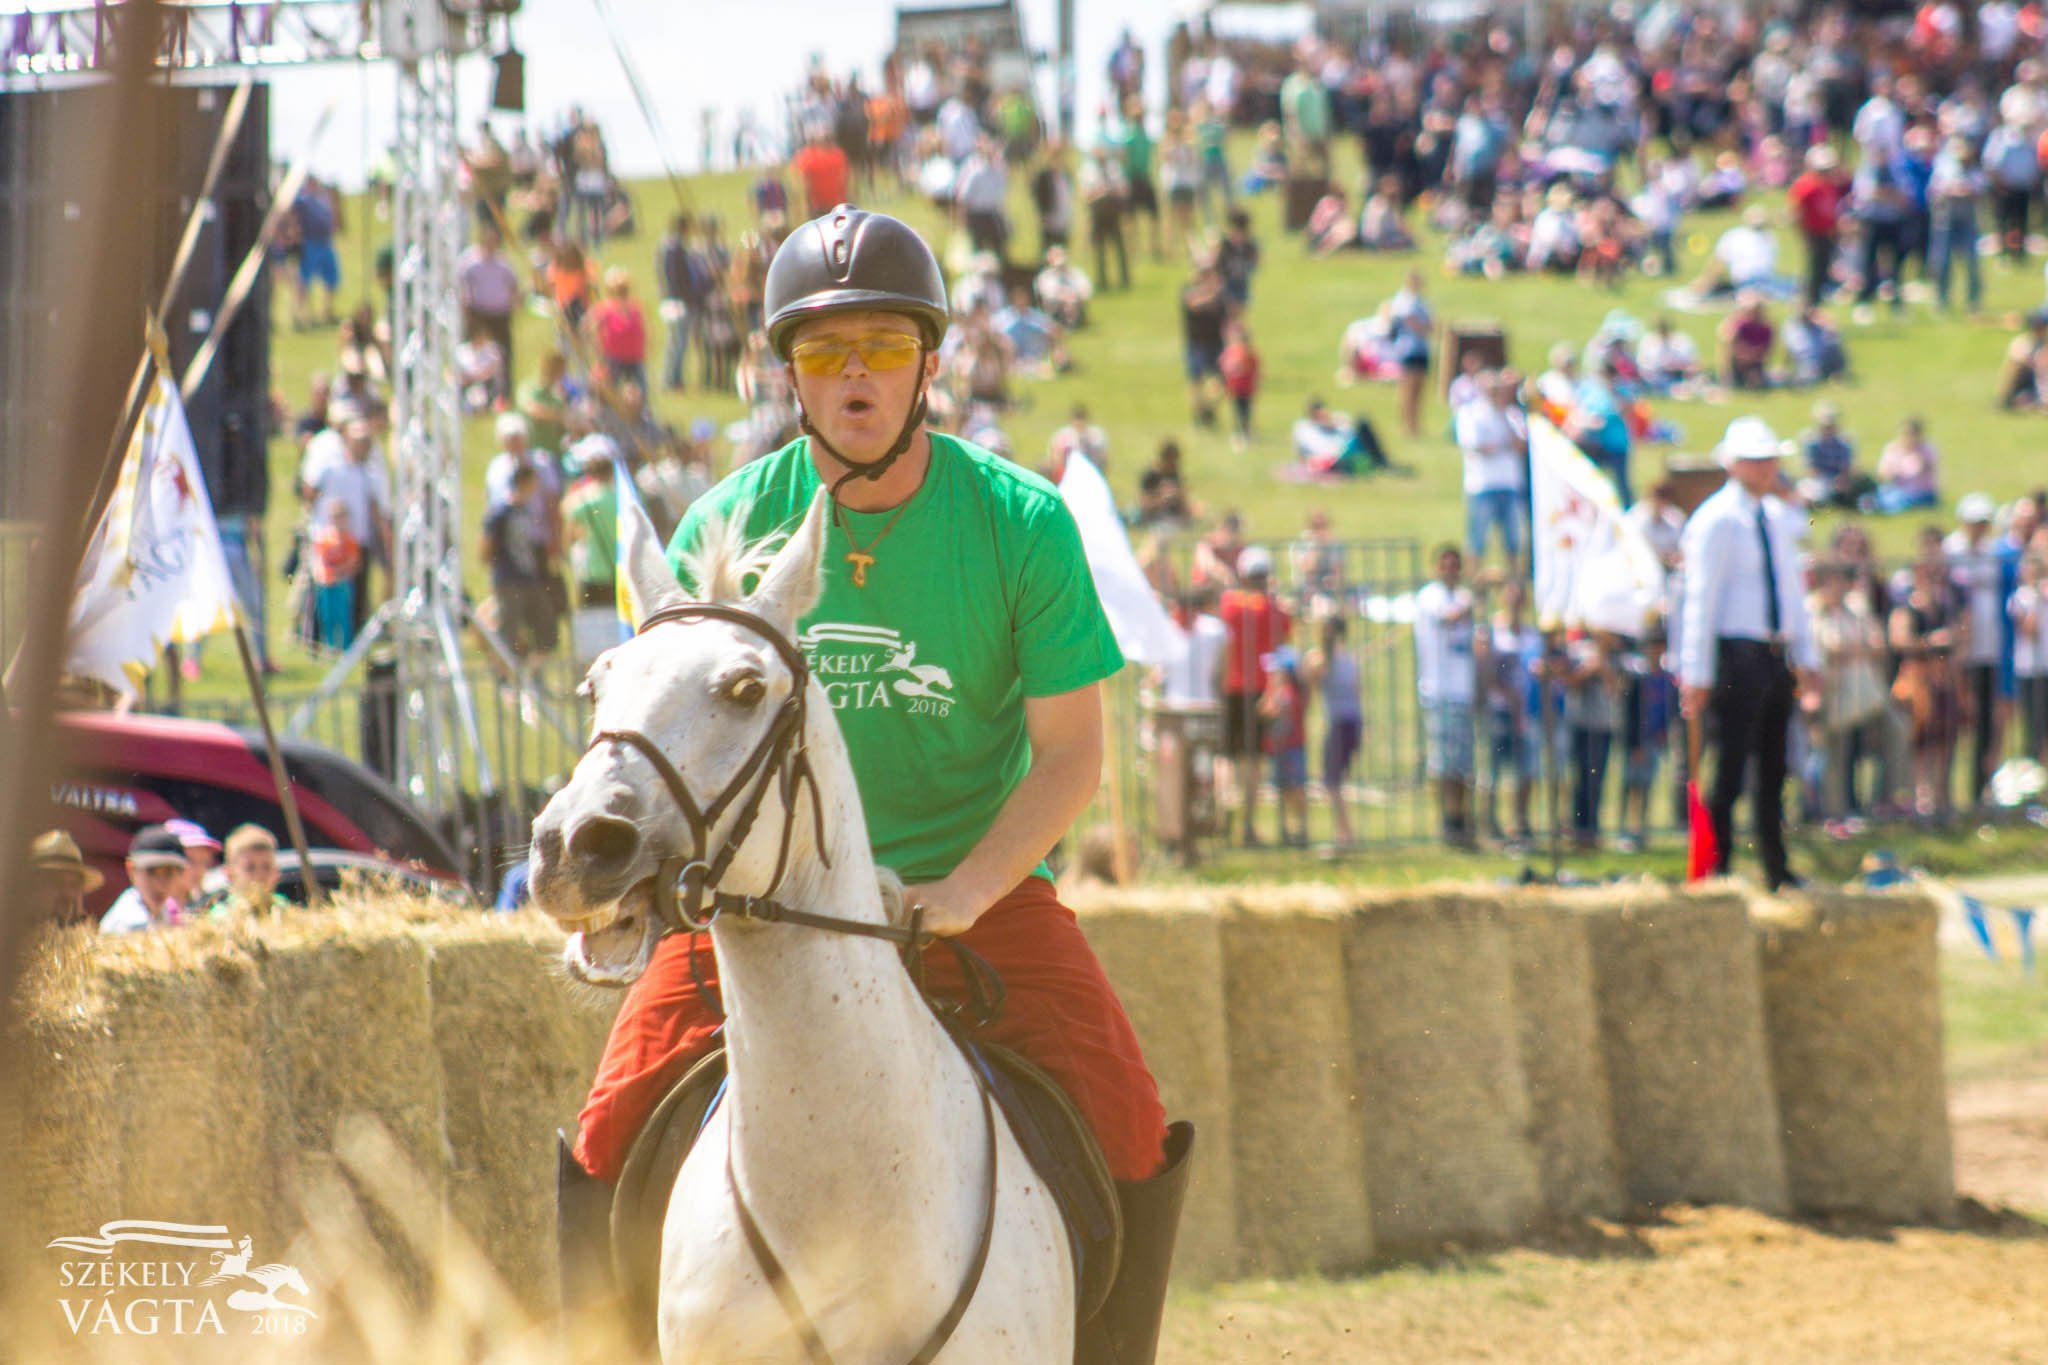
[
  {"x": 1113, "y": 756},
  {"x": 285, "y": 800}
]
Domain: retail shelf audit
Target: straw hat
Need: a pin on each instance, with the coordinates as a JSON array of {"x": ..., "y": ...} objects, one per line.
[
  {"x": 56, "y": 851},
  {"x": 1750, "y": 438}
]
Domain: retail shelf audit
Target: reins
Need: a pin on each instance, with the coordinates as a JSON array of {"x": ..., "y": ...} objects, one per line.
[{"x": 686, "y": 900}]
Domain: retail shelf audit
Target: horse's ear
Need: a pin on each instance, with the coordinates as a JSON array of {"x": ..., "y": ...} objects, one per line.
[
  {"x": 793, "y": 581},
  {"x": 650, "y": 582}
]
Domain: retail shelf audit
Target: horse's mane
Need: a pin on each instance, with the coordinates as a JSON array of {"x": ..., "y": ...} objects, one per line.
[{"x": 723, "y": 559}]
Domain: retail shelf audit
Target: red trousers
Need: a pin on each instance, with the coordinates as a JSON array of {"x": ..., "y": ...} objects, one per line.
[{"x": 1060, "y": 1012}]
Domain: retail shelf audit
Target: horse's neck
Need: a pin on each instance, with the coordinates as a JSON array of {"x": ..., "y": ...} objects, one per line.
[{"x": 833, "y": 1055}]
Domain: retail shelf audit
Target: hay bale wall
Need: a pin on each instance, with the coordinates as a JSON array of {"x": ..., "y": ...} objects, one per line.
[
  {"x": 1368, "y": 1072},
  {"x": 1682, "y": 1038},
  {"x": 1297, "y": 1140},
  {"x": 1852, "y": 1000},
  {"x": 1436, "y": 1055},
  {"x": 1163, "y": 952},
  {"x": 1571, "y": 1123}
]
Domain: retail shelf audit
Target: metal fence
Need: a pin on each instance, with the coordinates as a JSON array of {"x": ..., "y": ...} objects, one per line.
[
  {"x": 1159, "y": 790},
  {"x": 531, "y": 726}
]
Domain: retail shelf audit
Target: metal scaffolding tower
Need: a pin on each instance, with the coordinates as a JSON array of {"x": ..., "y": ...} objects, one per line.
[{"x": 437, "y": 716}]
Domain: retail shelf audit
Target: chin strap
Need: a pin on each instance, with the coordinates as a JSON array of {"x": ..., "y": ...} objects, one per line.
[{"x": 874, "y": 469}]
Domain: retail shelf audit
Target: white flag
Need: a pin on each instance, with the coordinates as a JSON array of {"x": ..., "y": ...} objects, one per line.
[
  {"x": 153, "y": 572},
  {"x": 1594, "y": 568},
  {"x": 1143, "y": 630}
]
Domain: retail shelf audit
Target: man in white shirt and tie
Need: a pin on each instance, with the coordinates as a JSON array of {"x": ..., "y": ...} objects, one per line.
[{"x": 1746, "y": 647}]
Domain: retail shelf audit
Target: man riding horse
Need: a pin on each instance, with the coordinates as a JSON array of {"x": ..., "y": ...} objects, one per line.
[{"x": 970, "y": 765}]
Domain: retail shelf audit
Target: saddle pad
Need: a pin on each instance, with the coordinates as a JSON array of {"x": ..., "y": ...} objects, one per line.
[
  {"x": 1059, "y": 1144},
  {"x": 640, "y": 1202},
  {"x": 1048, "y": 1128}
]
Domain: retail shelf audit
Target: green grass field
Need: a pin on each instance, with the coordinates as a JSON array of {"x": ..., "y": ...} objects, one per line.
[{"x": 1127, "y": 371}]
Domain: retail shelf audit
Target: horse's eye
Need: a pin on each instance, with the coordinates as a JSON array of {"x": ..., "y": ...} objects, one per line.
[{"x": 747, "y": 690}]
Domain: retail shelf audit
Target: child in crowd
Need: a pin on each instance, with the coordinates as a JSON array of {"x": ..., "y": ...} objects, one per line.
[
  {"x": 1269, "y": 160},
  {"x": 1240, "y": 366},
  {"x": 1590, "y": 714},
  {"x": 1514, "y": 719},
  {"x": 1649, "y": 699},
  {"x": 337, "y": 563},
  {"x": 1332, "y": 668},
  {"x": 1284, "y": 709}
]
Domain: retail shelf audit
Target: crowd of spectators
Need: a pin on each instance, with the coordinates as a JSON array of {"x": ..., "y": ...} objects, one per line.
[{"x": 176, "y": 872}]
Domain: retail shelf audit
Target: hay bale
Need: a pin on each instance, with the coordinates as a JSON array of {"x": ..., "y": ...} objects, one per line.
[
  {"x": 60, "y": 1129},
  {"x": 1436, "y": 1055},
  {"x": 1852, "y": 1000},
  {"x": 518, "y": 1044},
  {"x": 198, "y": 1135},
  {"x": 1296, "y": 1138},
  {"x": 1682, "y": 1037},
  {"x": 1163, "y": 952},
  {"x": 349, "y": 1022},
  {"x": 1571, "y": 1123}
]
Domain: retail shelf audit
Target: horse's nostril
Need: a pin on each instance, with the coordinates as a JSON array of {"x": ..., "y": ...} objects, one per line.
[{"x": 605, "y": 841}]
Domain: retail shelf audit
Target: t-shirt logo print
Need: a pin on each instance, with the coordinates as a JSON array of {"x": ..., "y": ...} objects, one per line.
[{"x": 861, "y": 677}]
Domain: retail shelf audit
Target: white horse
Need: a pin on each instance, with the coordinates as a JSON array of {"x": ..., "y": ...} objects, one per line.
[{"x": 852, "y": 1129}]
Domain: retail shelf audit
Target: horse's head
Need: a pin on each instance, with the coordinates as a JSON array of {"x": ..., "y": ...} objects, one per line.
[{"x": 704, "y": 694}]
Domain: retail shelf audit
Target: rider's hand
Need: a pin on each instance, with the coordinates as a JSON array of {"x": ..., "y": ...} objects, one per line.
[{"x": 948, "y": 908}]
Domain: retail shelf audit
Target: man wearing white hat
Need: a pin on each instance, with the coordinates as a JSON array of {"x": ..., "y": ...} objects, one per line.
[{"x": 1746, "y": 633}]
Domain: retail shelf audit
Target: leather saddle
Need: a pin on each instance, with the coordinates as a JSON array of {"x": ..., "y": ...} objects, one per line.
[{"x": 1045, "y": 1122}]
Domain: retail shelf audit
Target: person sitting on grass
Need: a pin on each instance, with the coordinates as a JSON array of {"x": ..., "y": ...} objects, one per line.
[
  {"x": 1383, "y": 225},
  {"x": 1331, "y": 225},
  {"x": 1038, "y": 342},
  {"x": 1746, "y": 337},
  {"x": 1908, "y": 470},
  {"x": 1669, "y": 362},
  {"x": 1269, "y": 160},
  {"x": 1832, "y": 479},
  {"x": 1745, "y": 257},
  {"x": 2026, "y": 355},
  {"x": 1814, "y": 346},
  {"x": 1063, "y": 290}
]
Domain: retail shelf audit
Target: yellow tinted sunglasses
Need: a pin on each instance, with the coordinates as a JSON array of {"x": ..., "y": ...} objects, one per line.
[{"x": 878, "y": 351}]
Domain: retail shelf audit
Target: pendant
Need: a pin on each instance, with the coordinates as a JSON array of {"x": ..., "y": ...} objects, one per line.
[{"x": 860, "y": 564}]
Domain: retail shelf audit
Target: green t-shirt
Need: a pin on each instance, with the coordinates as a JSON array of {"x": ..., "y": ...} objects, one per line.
[
  {"x": 1136, "y": 145},
  {"x": 593, "y": 508},
  {"x": 979, "y": 597}
]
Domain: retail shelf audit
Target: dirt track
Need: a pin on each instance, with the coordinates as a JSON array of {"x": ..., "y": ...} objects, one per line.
[{"x": 1703, "y": 1285}]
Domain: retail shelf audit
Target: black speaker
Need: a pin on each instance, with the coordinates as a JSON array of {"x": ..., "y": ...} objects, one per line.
[
  {"x": 508, "y": 81},
  {"x": 41, "y": 156}
]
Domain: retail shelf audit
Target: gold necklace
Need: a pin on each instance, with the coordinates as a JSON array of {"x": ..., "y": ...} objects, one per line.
[{"x": 863, "y": 556}]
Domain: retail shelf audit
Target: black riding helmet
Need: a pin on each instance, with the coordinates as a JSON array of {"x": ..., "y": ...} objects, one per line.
[{"x": 853, "y": 261}]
